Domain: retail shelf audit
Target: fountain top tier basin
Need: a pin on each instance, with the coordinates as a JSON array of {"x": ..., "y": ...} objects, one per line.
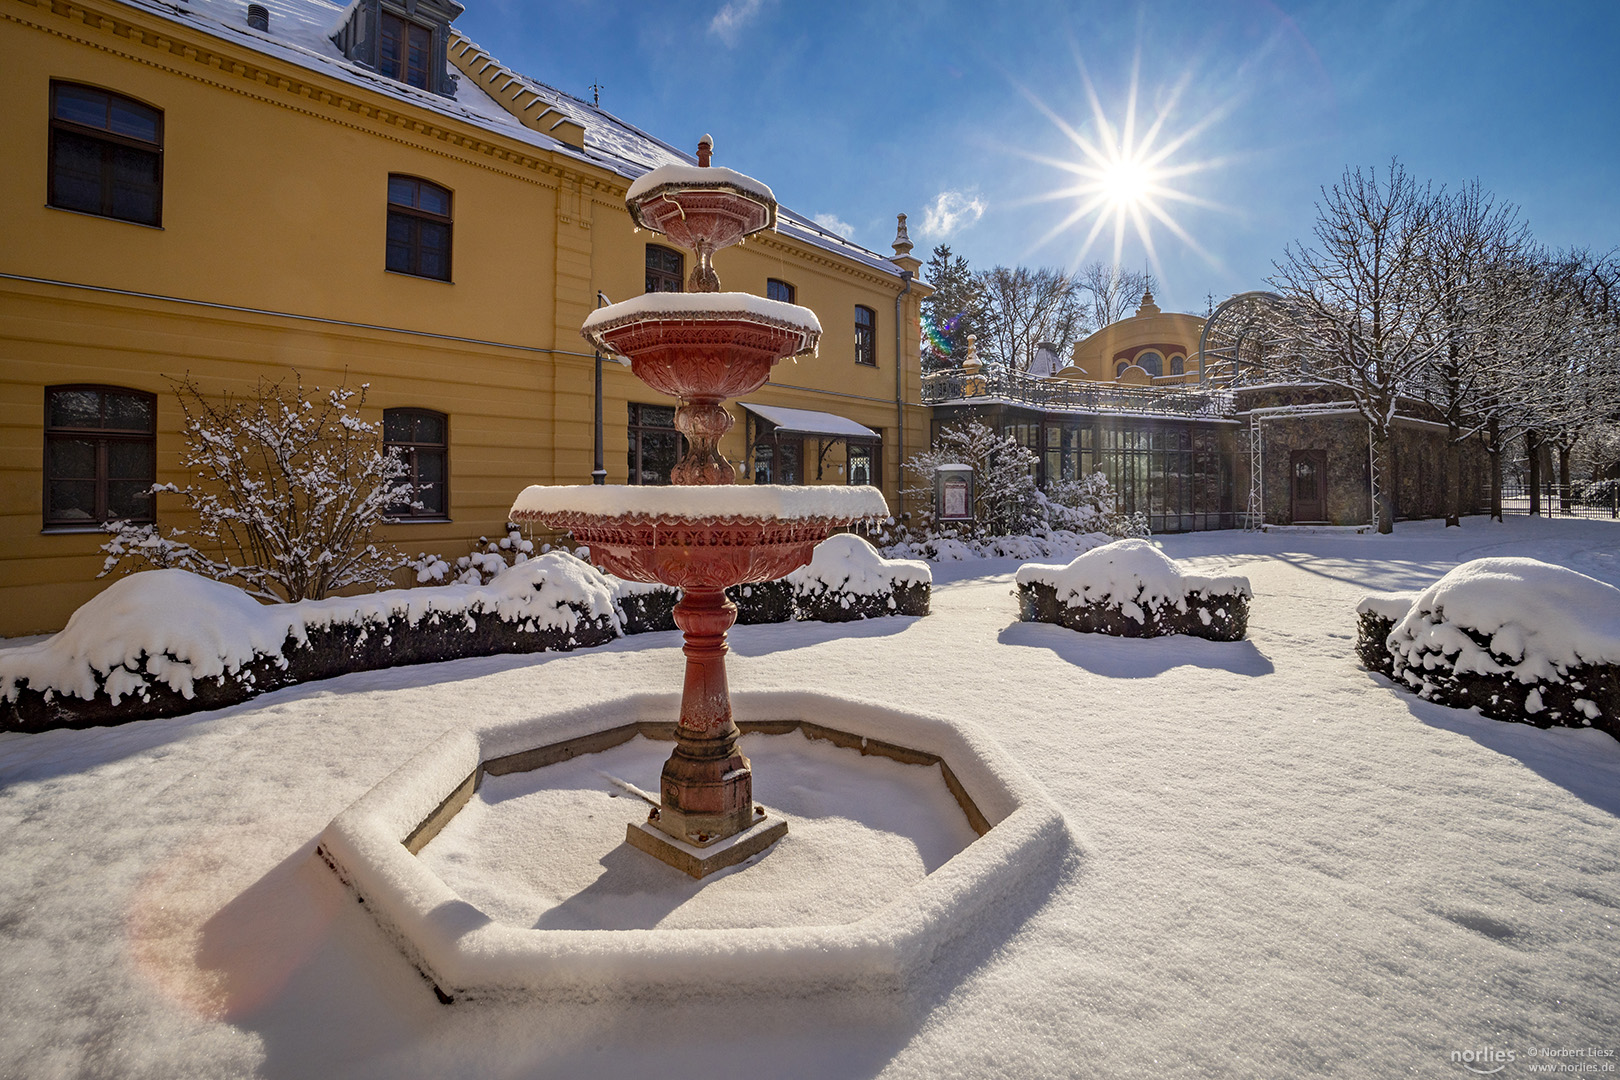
[
  {"x": 703, "y": 346},
  {"x": 699, "y": 536},
  {"x": 701, "y": 205}
]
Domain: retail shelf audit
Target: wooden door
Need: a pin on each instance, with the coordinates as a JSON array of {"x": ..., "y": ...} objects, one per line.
[{"x": 1308, "y": 469}]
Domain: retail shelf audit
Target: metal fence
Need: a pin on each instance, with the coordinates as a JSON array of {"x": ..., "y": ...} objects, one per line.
[
  {"x": 1063, "y": 394},
  {"x": 1583, "y": 499}
]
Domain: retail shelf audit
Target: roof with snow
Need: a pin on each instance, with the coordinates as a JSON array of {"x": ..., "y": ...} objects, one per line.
[{"x": 301, "y": 33}]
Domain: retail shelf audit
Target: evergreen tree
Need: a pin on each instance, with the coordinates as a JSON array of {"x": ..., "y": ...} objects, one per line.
[{"x": 951, "y": 313}]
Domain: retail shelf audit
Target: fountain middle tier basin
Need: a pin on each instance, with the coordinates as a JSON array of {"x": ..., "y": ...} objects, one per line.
[
  {"x": 699, "y": 536},
  {"x": 703, "y": 346}
]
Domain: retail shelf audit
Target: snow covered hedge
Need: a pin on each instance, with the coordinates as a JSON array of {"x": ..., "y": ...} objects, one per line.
[
  {"x": 845, "y": 580},
  {"x": 1517, "y": 639},
  {"x": 1132, "y": 589},
  {"x": 165, "y": 642},
  {"x": 848, "y": 580}
]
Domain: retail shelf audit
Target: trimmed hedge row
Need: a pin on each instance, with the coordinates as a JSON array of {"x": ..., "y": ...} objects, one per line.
[
  {"x": 1215, "y": 616},
  {"x": 372, "y": 644}
]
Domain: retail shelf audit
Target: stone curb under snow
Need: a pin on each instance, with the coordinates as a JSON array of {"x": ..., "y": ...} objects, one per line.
[
  {"x": 1130, "y": 588},
  {"x": 1515, "y": 639},
  {"x": 467, "y": 954}
]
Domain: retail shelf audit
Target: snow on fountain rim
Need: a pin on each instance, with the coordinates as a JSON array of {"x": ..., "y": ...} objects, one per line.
[
  {"x": 1540, "y": 616},
  {"x": 1125, "y": 572},
  {"x": 703, "y": 306},
  {"x": 699, "y": 177},
  {"x": 719, "y": 501},
  {"x": 467, "y": 953}
]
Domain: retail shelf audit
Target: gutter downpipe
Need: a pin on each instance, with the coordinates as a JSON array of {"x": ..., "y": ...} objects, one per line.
[
  {"x": 599, "y": 473},
  {"x": 900, "y": 397}
]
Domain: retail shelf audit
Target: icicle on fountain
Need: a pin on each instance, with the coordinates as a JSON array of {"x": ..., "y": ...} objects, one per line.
[{"x": 705, "y": 533}]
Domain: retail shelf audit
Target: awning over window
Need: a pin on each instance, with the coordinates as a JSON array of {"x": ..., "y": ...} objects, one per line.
[{"x": 809, "y": 422}]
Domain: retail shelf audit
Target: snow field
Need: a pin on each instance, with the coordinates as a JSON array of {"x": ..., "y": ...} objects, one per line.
[{"x": 1290, "y": 868}]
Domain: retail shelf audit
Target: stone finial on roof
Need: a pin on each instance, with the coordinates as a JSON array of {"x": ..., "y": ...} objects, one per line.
[
  {"x": 1148, "y": 306},
  {"x": 902, "y": 239},
  {"x": 971, "y": 363},
  {"x": 705, "y": 150}
]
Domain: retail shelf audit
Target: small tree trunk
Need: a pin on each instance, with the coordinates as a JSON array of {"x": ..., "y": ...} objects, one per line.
[
  {"x": 1532, "y": 453},
  {"x": 1453, "y": 477},
  {"x": 1493, "y": 447},
  {"x": 1384, "y": 451},
  {"x": 1563, "y": 479}
]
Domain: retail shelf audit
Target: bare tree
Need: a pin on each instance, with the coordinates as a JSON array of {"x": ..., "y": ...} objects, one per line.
[
  {"x": 1022, "y": 307},
  {"x": 1112, "y": 293},
  {"x": 288, "y": 490},
  {"x": 1365, "y": 321},
  {"x": 1475, "y": 248}
]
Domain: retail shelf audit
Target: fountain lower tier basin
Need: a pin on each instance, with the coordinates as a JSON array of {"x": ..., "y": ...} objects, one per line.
[
  {"x": 700, "y": 536},
  {"x": 516, "y": 899},
  {"x": 703, "y": 346}
]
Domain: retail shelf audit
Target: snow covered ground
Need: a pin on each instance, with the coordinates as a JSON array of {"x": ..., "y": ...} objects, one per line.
[{"x": 1288, "y": 868}]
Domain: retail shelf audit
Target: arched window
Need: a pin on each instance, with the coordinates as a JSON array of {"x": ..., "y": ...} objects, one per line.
[
  {"x": 106, "y": 155},
  {"x": 865, "y": 336},
  {"x": 780, "y": 290},
  {"x": 1119, "y": 369},
  {"x": 665, "y": 269},
  {"x": 421, "y": 437},
  {"x": 1178, "y": 365},
  {"x": 418, "y": 227},
  {"x": 1150, "y": 362},
  {"x": 100, "y": 455}
]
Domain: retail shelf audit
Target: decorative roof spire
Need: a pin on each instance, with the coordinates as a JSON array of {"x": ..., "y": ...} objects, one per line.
[
  {"x": 705, "y": 149},
  {"x": 902, "y": 239}
]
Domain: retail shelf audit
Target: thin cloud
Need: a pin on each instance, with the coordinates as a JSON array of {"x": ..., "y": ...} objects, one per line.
[
  {"x": 952, "y": 211},
  {"x": 730, "y": 19},
  {"x": 833, "y": 224}
]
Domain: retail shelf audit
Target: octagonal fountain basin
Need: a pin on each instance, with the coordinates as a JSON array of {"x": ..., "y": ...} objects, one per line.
[{"x": 496, "y": 858}]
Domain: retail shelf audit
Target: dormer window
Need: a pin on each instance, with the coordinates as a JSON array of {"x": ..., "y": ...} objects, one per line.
[
  {"x": 403, "y": 40},
  {"x": 404, "y": 49}
]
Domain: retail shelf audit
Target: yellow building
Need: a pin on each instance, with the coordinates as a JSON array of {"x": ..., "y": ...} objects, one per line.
[
  {"x": 358, "y": 192},
  {"x": 1151, "y": 348}
]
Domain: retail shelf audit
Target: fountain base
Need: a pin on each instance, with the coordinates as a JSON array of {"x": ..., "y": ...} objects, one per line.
[{"x": 702, "y": 860}]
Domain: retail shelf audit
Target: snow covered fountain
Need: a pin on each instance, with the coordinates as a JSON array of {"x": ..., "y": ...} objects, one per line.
[{"x": 702, "y": 535}]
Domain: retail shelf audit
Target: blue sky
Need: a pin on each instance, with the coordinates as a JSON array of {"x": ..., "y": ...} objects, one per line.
[{"x": 954, "y": 111}]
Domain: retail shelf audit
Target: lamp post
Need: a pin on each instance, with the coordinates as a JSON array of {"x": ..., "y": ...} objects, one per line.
[{"x": 599, "y": 473}]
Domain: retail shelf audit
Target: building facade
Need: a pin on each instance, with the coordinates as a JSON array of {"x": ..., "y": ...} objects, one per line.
[
  {"x": 1212, "y": 453},
  {"x": 361, "y": 195}
]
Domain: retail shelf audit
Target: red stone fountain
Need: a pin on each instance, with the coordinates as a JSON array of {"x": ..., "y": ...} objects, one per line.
[{"x": 706, "y": 533}]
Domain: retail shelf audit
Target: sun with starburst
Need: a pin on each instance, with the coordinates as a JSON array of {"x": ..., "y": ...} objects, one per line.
[{"x": 1126, "y": 177}]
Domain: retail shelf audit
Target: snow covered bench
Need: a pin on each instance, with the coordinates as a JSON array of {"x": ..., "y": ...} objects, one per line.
[
  {"x": 166, "y": 642},
  {"x": 1132, "y": 589},
  {"x": 1517, "y": 639}
]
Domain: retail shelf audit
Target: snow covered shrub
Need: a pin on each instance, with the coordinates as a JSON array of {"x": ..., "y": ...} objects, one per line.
[
  {"x": 847, "y": 580},
  {"x": 1089, "y": 505},
  {"x": 289, "y": 491},
  {"x": 762, "y": 602},
  {"x": 166, "y": 642},
  {"x": 1130, "y": 588},
  {"x": 1005, "y": 499},
  {"x": 1518, "y": 639},
  {"x": 478, "y": 567}
]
